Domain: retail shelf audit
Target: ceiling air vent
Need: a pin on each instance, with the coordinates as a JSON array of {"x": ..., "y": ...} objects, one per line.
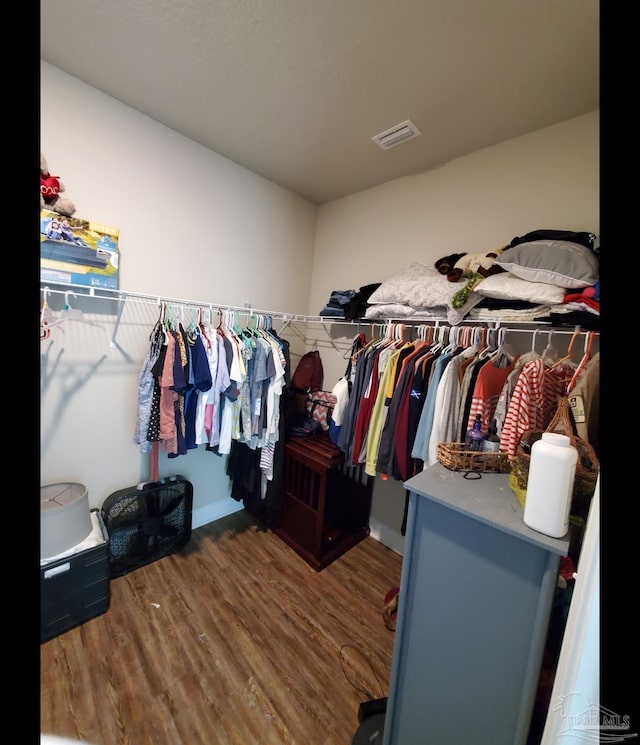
[{"x": 400, "y": 133}]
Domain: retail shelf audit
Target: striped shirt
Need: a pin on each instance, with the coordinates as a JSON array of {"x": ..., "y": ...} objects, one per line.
[{"x": 533, "y": 401}]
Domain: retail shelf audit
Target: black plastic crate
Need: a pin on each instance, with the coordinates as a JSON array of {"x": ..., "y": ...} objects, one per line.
[{"x": 74, "y": 588}]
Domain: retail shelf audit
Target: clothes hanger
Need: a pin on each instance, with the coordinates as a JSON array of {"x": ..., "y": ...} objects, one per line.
[
  {"x": 228, "y": 327},
  {"x": 532, "y": 354},
  {"x": 371, "y": 344},
  {"x": 420, "y": 342},
  {"x": 202, "y": 328},
  {"x": 72, "y": 314},
  {"x": 568, "y": 357},
  {"x": 504, "y": 354},
  {"x": 216, "y": 326},
  {"x": 466, "y": 337},
  {"x": 193, "y": 326},
  {"x": 356, "y": 346},
  {"x": 262, "y": 331},
  {"x": 167, "y": 318},
  {"x": 475, "y": 338},
  {"x": 386, "y": 339},
  {"x": 400, "y": 341},
  {"x": 452, "y": 340},
  {"x": 47, "y": 316},
  {"x": 422, "y": 332},
  {"x": 246, "y": 333},
  {"x": 157, "y": 335},
  {"x": 490, "y": 345},
  {"x": 583, "y": 362},
  {"x": 471, "y": 341},
  {"x": 549, "y": 353},
  {"x": 66, "y": 315},
  {"x": 441, "y": 334}
]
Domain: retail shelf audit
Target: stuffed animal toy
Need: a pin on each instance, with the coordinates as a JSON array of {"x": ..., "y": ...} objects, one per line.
[
  {"x": 50, "y": 190},
  {"x": 461, "y": 297},
  {"x": 464, "y": 265},
  {"x": 472, "y": 267},
  {"x": 474, "y": 264},
  {"x": 446, "y": 264}
]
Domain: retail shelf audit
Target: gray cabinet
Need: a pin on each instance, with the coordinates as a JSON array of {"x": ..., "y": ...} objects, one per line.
[{"x": 475, "y": 599}]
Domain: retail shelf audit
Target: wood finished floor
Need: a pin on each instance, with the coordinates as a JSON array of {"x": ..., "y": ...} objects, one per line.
[{"x": 235, "y": 641}]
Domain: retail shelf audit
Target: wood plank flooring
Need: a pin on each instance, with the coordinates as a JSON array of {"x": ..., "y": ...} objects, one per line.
[{"x": 235, "y": 641}]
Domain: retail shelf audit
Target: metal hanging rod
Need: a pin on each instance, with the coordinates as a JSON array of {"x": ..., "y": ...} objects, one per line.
[
  {"x": 524, "y": 327},
  {"x": 104, "y": 293},
  {"x": 545, "y": 329}
]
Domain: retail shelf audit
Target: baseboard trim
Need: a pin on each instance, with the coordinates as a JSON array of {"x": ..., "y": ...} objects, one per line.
[
  {"x": 215, "y": 511},
  {"x": 227, "y": 506},
  {"x": 387, "y": 536}
]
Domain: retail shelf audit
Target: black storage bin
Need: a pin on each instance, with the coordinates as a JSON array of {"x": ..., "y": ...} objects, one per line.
[{"x": 74, "y": 588}]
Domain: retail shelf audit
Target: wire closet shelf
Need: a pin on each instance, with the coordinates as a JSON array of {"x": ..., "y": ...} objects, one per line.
[{"x": 387, "y": 325}]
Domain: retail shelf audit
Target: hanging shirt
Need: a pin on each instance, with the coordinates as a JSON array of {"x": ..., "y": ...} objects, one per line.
[
  {"x": 534, "y": 397},
  {"x": 231, "y": 402},
  {"x": 363, "y": 414},
  {"x": 379, "y": 411},
  {"x": 360, "y": 380},
  {"x": 341, "y": 392},
  {"x": 147, "y": 404},
  {"x": 486, "y": 392},
  {"x": 168, "y": 398},
  {"x": 401, "y": 388},
  {"x": 584, "y": 401},
  {"x": 201, "y": 381},
  {"x": 208, "y": 397},
  {"x": 421, "y": 445},
  {"x": 447, "y": 403}
]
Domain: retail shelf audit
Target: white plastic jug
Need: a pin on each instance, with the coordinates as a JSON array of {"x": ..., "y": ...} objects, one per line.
[{"x": 550, "y": 484}]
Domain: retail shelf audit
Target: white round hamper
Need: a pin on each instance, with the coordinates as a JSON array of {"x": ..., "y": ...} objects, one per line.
[{"x": 65, "y": 517}]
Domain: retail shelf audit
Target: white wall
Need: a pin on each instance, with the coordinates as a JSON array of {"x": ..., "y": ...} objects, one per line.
[
  {"x": 197, "y": 226},
  {"x": 192, "y": 225},
  {"x": 549, "y": 179}
]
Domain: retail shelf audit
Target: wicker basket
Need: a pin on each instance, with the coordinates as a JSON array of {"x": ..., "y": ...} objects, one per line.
[
  {"x": 455, "y": 457},
  {"x": 586, "y": 467}
]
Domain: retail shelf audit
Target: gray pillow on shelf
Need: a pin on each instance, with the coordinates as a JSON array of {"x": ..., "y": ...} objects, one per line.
[{"x": 561, "y": 263}]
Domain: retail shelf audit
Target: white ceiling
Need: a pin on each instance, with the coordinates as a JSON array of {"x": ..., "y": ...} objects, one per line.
[{"x": 294, "y": 90}]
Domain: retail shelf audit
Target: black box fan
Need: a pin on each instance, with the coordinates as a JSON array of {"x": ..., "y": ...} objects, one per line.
[{"x": 146, "y": 522}]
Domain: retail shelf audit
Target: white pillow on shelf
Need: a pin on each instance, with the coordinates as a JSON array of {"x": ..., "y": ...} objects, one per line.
[
  {"x": 422, "y": 287},
  {"x": 384, "y": 311},
  {"x": 506, "y": 286}
]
